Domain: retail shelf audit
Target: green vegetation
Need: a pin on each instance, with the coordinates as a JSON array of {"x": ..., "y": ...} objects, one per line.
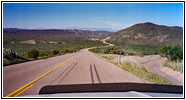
[
  {"x": 174, "y": 52},
  {"x": 143, "y": 73},
  {"x": 9, "y": 54},
  {"x": 66, "y": 45},
  {"x": 69, "y": 45},
  {"x": 130, "y": 50},
  {"x": 176, "y": 66},
  {"x": 131, "y": 54},
  {"x": 95, "y": 50},
  {"x": 69, "y": 51},
  {"x": 44, "y": 54},
  {"x": 113, "y": 50},
  {"x": 54, "y": 52},
  {"x": 108, "y": 58},
  {"x": 139, "y": 50},
  {"x": 10, "y": 57},
  {"x": 33, "y": 54}
]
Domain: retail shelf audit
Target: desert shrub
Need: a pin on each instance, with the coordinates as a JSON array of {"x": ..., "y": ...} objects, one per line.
[
  {"x": 155, "y": 52},
  {"x": 33, "y": 53},
  {"x": 74, "y": 50},
  {"x": 54, "y": 52},
  {"x": 114, "y": 51},
  {"x": 71, "y": 51},
  {"x": 95, "y": 50},
  {"x": 131, "y": 54},
  {"x": 173, "y": 53},
  {"x": 119, "y": 52},
  {"x": 111, "y": 50},
  {"x": 66, "y": 51},
  {"x": 43, "y": 54},
  {"x": 106, "y": 51},
  {"x": 141, "y": 54},
  {"x": 80, "y": 47},
  {"x": 9, "y": 54}
]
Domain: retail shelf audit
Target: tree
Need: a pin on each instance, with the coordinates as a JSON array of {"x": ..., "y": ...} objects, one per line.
[
  {"x": 33, "y": 53},
  {"x": 173, "y": 53}
]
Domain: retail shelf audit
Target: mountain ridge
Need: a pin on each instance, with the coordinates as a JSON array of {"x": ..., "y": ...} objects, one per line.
[
  {"x": 148, "y": 34},
  {"x": 52, "y": 32}
]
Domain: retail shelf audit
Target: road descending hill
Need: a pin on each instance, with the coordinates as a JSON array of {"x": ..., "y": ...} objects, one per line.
[{"x": 75, "y": 68}]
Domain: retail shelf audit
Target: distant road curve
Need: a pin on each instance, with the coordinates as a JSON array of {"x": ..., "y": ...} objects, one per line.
[{"x": 104, "y": 41}]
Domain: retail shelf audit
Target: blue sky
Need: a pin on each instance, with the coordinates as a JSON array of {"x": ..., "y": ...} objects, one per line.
[{"x": 115, "y": 16}]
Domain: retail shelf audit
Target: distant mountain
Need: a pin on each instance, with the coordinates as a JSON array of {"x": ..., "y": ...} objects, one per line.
[
  {"x": 148, "y": 34},
  {"x": 8, "y": 32},
  {"x": 94, "y": 29}
]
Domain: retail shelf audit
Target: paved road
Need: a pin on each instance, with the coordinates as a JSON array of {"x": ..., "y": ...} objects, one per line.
[
  {"x": 156, "y": 67},
  {"x": 75, "y": 68},
  {"x": 104, "y": 41}
]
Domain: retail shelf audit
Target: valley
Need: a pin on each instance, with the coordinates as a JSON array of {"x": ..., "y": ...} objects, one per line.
[
  {"x": 93, "y": 50},
  {"x": 133, "y": 57}
]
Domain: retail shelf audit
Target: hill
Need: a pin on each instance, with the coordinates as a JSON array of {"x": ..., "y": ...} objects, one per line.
[
  {"x": 7, "y": 32},
  {"x": 148, "y": 34}
]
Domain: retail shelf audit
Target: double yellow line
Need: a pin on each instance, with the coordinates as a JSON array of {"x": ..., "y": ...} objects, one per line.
[{"x": 30, "y": 84}]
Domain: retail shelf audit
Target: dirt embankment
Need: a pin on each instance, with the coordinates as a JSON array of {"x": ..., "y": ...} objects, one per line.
[{"x": 154, "y": 64}]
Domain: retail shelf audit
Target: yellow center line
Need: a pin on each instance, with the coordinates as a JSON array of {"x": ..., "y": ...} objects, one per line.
[
  {"x": 23, "y": 90},
  {"x": 66, "y": 61}
]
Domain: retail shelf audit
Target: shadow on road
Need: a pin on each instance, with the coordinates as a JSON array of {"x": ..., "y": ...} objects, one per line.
[
  {"x": 67, "y": 69},
  {"x": 91, "y": 74},
  {"x": 67, "y": 73},
  {"x": 96, "y": 72}
]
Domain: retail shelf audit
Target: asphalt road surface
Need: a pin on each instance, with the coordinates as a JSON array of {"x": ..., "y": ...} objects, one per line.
[
  {"x": 76, "y": 68},
  {"x": 156, "y": 67}
]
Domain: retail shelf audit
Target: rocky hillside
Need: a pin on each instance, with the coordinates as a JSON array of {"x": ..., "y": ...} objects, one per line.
[{"x": 148, "y": 34}]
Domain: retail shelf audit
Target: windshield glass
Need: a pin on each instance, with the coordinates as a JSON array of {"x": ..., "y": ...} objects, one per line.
[{"x": 75, "y": 47}]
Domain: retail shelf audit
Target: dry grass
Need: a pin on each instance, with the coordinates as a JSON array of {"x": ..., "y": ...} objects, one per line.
[
  {"x": 138, "y": 71},
  {"x": 174, "y": 65}
]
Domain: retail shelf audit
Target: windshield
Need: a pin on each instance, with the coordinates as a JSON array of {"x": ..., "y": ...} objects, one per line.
[{"x": 62, "y": 48}]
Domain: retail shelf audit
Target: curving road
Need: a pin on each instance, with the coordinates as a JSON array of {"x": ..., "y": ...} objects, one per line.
[
  {"x": 75, "y": 68},
  {"x": 156, "y": 67},
  {"x": 105, "y": 42}
]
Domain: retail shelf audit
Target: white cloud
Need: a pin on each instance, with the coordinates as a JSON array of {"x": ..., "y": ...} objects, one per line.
[{"x": 110, "y": 23}]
